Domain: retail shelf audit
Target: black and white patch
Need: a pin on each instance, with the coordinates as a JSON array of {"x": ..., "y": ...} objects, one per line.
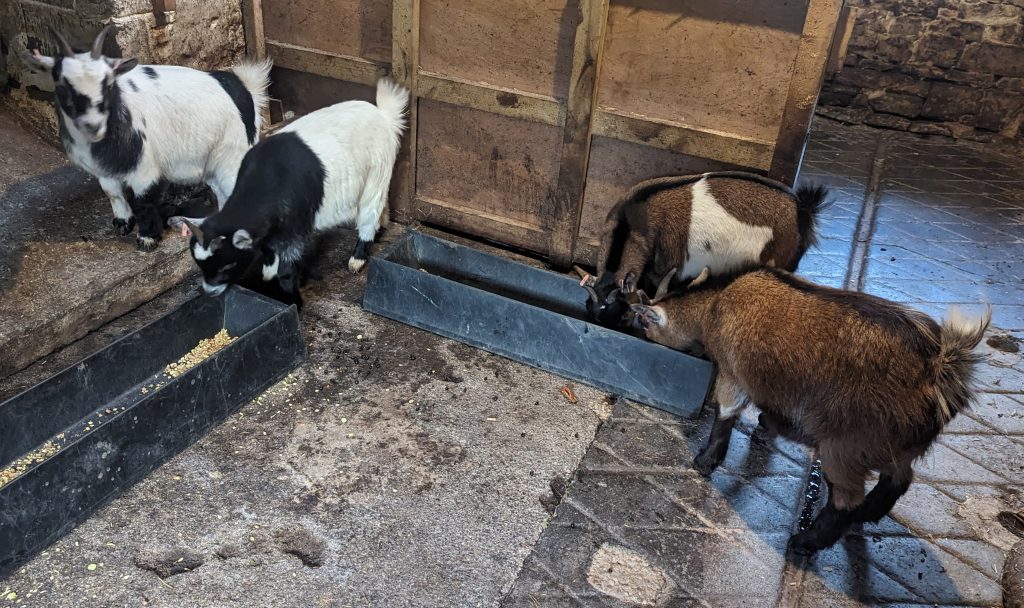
[
  {"x": 148, "y": 71},
  {"x": 242, "y": 99}
]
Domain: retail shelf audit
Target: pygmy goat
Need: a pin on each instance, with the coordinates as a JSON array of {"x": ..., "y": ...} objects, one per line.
[
  {"x": 870, "y": 382},
  {"x": 720, "y": 221},
  {"x": 138, "y": 128},
  {"x": 328, "y": 168}
]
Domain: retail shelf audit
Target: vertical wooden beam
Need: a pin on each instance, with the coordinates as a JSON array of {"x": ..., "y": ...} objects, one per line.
[
  {"x": 565, "y": 202},
  {"x": 405, "y": 67},
  {"x": 804, "y": 86},
  {"x": 252, "y": 25}
]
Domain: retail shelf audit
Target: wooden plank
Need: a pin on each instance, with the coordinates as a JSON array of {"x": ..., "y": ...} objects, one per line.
[
  {"x": 492, "y": 163},
  {"x": 565, "y": 202},
  {"x": 252, "y": 25},
  {"x": 352, "y": 28},
  {"x": 724, "y": 147},
  {"x": 405, "y": 64},
  {"x": 841, "y": 41},
  {"x": 723, "y": 66},
  {"x": 322, "y": 63},
  {"x": 521, "y": 44},
  {"x": 479, "y": 223},
  {"x": 490, "y": 98},
  {"x": 808, "y": 73}
]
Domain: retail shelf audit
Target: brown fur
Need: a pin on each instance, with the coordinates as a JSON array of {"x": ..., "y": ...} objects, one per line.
[{"x": 870, "y": 381}]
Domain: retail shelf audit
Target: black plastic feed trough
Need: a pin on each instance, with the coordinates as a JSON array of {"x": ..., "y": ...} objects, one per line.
[
  {"x": 87, "y": 434},
  {"x": 527, "y": 314}
]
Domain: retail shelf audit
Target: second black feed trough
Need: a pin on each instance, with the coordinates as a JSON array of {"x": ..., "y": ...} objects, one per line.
[
  {"x": 529, "y": 315},
  {"x": 75, "y": 441}
]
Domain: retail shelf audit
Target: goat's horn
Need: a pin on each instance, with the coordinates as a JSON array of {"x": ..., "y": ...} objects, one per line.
[
  {"x": 196, "y": 232},
  {"x": 65, "y": 47},
  {"x": 593, "y": 294},
  {"x": 97, "y": 46},
  {"x": 703, "y": 276},
  {"x": 663, "y": 285}
]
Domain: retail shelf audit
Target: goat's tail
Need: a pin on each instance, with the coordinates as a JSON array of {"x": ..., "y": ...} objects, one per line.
[
  {"x": 954, "y": 376},
  {"x": 810, "y": 200},
  {"x": 255, "y": 77},
  {"x": 392, "y": 100}
]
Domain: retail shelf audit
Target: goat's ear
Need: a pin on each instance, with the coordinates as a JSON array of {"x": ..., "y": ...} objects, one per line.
[
  {"x": 643, "y": 298},
  {"x": 242, "y": 239},
  {"x": 122, "y": 66},
  {"x": 189, "y": 226},
  {"x": 37, "y": 61},
  {"x": 649, "y": 315}
]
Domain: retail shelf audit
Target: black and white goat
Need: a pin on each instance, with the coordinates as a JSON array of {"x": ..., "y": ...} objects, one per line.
[
  {"x": 329, "y": 168},
  {"x": 138, "y": 128}
]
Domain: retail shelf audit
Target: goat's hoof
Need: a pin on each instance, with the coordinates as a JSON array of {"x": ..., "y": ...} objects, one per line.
[
  {"x": 123, "y": 227},
  {"x": 145, "y": 243},
  {"x": 355, "y": 265},
  {"x": 705, "y": 463}
]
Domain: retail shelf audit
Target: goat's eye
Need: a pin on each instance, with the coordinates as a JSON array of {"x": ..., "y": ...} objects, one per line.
[{"x": 229, "y": 267}]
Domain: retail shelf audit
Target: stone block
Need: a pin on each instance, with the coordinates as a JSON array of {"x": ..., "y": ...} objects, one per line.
[
  {"x": 989, "y": 13},
  {"x": 929, "y": 128},
  {"x": 998, "y": 110},
  {"x": 951, "y": 102},
  {"x": 1015, "y": 85},
  {"x": 977, "y": 79},
  {"x": 900, "y": 104},
  {"x": 838, "y": 95},
  {"x": 1005, "y": 34},
  {"x": 887, "y": 121},
  {"x": 938, "y": 49},
  {"x": 993, "y": 58}
]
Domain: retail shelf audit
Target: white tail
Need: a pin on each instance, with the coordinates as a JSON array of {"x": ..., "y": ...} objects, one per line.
[
  {"x": 255, "y": 76},
  {"x": 392, "y": 100}
]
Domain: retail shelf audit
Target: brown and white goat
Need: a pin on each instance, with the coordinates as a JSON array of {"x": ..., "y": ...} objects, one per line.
[
  {"x": 721, "y": 221},
  {"x": 871, "y": 383}
]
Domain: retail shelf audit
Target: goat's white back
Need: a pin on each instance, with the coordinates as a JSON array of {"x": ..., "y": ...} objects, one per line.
[
  {"x": 357, "y": 144},
  {"x": 733, "y": 243}
]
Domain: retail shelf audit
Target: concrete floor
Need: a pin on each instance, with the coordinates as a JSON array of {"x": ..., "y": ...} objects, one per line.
[{"x": 397, "y": 468}]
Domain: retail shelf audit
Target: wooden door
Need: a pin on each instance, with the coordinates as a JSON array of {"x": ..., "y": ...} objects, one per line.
[{"x": 531, "y": 117}]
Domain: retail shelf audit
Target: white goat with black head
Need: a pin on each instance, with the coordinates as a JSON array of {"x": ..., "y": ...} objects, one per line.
[
  {"x": 329, "y": 168},
  {"x": 139, "y": 128}
]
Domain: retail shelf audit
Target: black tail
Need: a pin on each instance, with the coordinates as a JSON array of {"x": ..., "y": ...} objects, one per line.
[{"x": 810, "y": 200}]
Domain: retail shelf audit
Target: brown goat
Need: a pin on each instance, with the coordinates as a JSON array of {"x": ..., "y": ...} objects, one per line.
[
  {"x": 722, "y": 221},
  {"x": 870, "y": 382}
]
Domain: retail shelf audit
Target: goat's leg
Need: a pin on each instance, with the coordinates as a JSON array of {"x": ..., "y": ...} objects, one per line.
[
  {"x": 779, "y": 426},
  {"x": 881, "y": 499},
  {"x": 148, "y": 209},
  {"x": 845, "y": 495},
  {"x": 372, "y": 204},
  {"x": 124, "y": 220},
  {"x": 730, "y": 404},
  {"x": 635, "y": 253},
  {"x": 288, "y": 279}
]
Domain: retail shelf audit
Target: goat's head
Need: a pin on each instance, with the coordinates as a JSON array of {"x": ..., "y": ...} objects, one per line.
[
  {"x": 652, "y": 319},
  {"x": 612, "y": 306},
  {"x": 223, "y": 256},
  {"x": 84, "y": 83}
]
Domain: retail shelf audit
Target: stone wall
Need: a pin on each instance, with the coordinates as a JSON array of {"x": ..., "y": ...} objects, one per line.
[
  {"x": 949, "y": 67},
  {"x": 203, "y": 34}
]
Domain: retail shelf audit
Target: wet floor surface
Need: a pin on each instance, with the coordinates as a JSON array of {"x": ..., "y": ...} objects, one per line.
[{"x": 940, "y": 224}]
